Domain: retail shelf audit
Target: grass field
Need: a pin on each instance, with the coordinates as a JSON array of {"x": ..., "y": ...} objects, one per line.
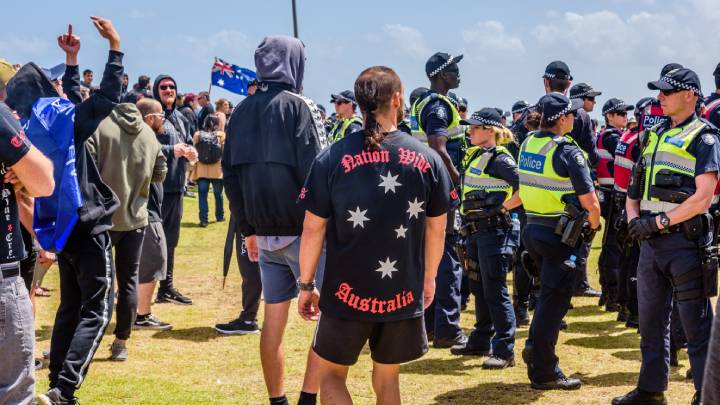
[{"x": 192, "y": 364}]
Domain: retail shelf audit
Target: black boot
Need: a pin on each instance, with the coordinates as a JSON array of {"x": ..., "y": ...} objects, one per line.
[{"x": 640, "y": 397}]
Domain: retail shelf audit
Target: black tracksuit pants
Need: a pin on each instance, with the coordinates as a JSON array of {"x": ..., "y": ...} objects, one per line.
[
  {"x": 251, "y": 284},
  {"x": 128, "y": 245},
  {"x": 86, "y": 298},
  {"x": 172, "y": 212}
]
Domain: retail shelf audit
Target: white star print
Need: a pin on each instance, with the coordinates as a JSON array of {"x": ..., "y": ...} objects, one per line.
[
  {"x": 221, "y": 82},
  {"x": 358, "y": 217},
  {"x": 415, "y": 208},
  {"x": 401, "y": 232},
  {"x": 389, "y": 182},
  {"x": 387, "y": 268}
]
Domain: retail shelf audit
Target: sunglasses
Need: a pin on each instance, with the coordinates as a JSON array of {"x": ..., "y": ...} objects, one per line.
[
  {"x": 670, "y": 92},
  {"x": 340, "y": 101},
  {"x": 591, "y": 99},
  {"x": 462, "y": 109},
  {"x": 621, "y": 113},
  {"x": 167, "y": 87}
]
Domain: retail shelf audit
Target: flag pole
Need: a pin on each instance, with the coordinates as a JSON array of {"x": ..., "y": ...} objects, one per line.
[
  {"x": 210, "y": 86},
  {"x": 295, "y": 24}
]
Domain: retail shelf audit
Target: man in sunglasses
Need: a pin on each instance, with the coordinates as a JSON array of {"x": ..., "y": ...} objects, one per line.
[
  {"x": 434, "y": 115},
  {"x": 615, "y": 113},
  {"x": 586, "y": 93},
  {"x": 176, "y": 132},
  {"x": 346, "y": 113},
  {"x": 667, "y": 209}
]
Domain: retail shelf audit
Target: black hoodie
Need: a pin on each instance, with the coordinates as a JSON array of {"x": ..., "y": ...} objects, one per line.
[
  {"x": 176, "y": 131},
  {"x": 30, "y": 83}
]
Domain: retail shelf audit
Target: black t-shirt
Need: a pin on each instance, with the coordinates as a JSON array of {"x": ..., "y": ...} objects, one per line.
[
  {"x": 376, "y": 202},
  {"x": 13, "y": 146}
]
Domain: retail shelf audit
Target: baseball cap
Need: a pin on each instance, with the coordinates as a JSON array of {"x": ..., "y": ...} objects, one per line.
[
  {"x": 678, "y": 79},
  {"x": 519, "y": 106},
  {"x": 7, "y": 71},
  {"x": 557, "y": 70},
  {"x": 55, "y": 72},
  {"x": 487, "y": 116},
  {"x": 439, "y": 62},
  {"x": 555, "y": 105},
  {"x": 190, "y": 97},
  {"x": 582, "y": 90},
  {"x": 642, "y": 103},
  {"x": 616, "y": 105},
  {"x": 346, "y": 95}
]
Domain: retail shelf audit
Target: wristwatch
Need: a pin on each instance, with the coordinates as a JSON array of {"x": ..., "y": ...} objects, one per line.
[
  {"x": 664, "y": 220},
  {"x": 306, "y": 286}
]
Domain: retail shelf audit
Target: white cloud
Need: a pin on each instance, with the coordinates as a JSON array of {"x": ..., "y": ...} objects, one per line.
[
  {"x": 490, "y": 36},
  {"x": 408, "y": 39}
]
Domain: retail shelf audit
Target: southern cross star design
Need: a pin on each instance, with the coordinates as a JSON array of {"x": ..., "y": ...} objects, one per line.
[
  {"x": 415, "y": 208},
  {"x": 358, "y": 217},
  {"x": 221, "y": 82},
  {"x": 401, "y": 232},
  {"x": 389, "y": 182},
  {"x": 387, "y": 268}
]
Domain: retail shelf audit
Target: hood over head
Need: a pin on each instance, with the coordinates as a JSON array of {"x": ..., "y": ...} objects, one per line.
[
  {"x": 128, "y": 118},
  {"x": 281, "y": 59},
  {"x": 156, "y": 87},
  {"x": 28, "y": 85}
]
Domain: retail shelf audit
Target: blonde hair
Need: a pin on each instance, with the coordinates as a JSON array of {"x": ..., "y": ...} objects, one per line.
[{"x": 503, "y": 135}]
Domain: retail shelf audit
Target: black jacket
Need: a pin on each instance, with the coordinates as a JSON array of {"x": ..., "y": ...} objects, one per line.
[
  {"x": 99, "y": 201},
  {"x": 177, "y": 130},
  {"x": 272, "y": 140}
]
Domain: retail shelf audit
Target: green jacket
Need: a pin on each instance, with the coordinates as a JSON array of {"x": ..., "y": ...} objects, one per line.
[{"x": 129, "y": 158}]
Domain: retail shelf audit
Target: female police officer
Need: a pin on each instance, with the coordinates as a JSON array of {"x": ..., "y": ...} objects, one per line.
[
  {"x": 487, "y": 194},
  {"x": 554, "y": 180}
]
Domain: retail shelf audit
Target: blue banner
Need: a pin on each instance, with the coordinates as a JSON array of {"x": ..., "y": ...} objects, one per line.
[{"x": 230, "y": 77}]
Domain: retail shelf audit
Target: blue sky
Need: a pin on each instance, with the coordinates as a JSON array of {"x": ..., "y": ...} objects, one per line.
[{"x": 615, "y": 45}]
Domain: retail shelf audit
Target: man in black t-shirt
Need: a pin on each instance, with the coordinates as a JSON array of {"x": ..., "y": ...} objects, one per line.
[
  {"x": 22, "y": 167},
  {"x": 382, "y": 206}
]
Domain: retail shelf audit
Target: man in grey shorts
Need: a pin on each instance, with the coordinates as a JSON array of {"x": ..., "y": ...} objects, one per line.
[{"x": 153, "y": 256}]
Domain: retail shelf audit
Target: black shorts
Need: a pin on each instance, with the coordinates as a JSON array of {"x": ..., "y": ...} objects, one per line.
[{"x": 340, "y": 341}]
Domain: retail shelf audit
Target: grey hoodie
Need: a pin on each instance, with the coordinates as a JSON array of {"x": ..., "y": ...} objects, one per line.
[
  {"x": 129, "y": 158},
  {"x": 281, "y": 59}
]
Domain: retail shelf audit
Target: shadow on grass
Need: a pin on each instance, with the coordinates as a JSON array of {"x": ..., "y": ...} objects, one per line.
[
  {"x": 197, "y": 334},
  {"x": 594, "y": 328},
  {"x": 452, "y": 366},
  {"x": 44, "y": 333},
  {"x": 587, "y": 310},
  {"x": 609, "y": 379},
  {"x": 632, "y": 355},
  {"x": 190, "y": 225},
  {"x": 491, "y": 393},
  {"x": 630, "y": 340}
]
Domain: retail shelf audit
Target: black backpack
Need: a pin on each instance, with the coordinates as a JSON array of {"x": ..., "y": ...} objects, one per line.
[{"x": 209, "y": 148}]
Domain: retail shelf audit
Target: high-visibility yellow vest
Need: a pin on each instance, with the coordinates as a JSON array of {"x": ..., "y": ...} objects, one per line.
[
  {"x": 541, "y": 187},
  {"x": 416, "y": 125},
  {"x": 476, "y": 176},
  {"x": 340, "y": 128}
]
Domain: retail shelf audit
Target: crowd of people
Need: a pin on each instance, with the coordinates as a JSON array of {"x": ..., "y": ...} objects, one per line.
[{"x": 382, "y": 219}]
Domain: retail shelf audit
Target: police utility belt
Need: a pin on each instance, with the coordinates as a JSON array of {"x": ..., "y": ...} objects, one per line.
[
  {"x": 572, "y": 226},
  {"x": 8, "y": 270},
  {"x": 483, "y": 210}
]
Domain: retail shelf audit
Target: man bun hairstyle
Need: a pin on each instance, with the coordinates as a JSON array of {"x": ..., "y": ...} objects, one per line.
[{"x": 374, "y": 89}]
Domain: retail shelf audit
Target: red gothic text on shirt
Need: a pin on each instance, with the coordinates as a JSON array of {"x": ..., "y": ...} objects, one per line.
[
  {"x": 351, "y": 162},
  {"x": 372, "y": 304},
  {"x": 409, "y": 157}
]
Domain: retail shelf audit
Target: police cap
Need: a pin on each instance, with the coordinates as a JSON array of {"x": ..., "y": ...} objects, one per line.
[
  {"x": 557, "y": 70},
  {"x": 519, "y": 106},
  {"x": 417, "y": 93},
  {"x": 642, "y": 103},
  {"x": 678, "y": 79},
  {"x": 716, "y": 72},
  {"x": 487, "y": 116},
  {"x": 669, "y": 67},
  {"x": 346, "y": 95},
  {"x": 555, "y": 105},
  {"x": 439, "y": 62},
  {"x": 582, "y": 90},
  {"x": 615, "y": 105}
]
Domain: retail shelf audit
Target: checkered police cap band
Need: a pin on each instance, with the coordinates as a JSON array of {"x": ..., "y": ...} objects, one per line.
[
  {"x": 564, "y": 111},
  {"x": 614, "y": 108},
  {"x": 520, "y": 109},
  {"x": 486, "y": 121},
  {"x": 677, "y": 84},
  {"x": 443, "y": 66},
  {"x": 584, "y": 94}
]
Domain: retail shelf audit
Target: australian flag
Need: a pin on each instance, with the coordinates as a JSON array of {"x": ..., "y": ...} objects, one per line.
[{"x": 232, "y": 78}]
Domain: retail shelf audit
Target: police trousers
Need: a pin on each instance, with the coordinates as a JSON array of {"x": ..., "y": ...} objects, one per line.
[
  {"x": 662, "y": 259},
  {"x": 627, "y": 279},
  {"x": 442, "y": 317},
  {"x": 86, "y": 299},
  {"x": 556, "y": 290}
]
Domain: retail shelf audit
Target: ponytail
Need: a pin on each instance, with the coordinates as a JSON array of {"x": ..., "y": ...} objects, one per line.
[{"x": 374, "y": 89}]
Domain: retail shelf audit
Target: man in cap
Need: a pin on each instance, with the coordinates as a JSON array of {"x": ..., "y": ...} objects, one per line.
[
  {"x": 557, "y": 78},
  {"x": 433, "y": 116},
  {"x": 346, "y": 113},
  {"x": 586, "y": 93},
  {"x": 668, "y": 197},
  {"x": 615, "y": 113}
]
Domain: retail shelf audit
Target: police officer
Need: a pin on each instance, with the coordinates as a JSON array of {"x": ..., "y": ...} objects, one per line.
[
  {"x": 712, "y": 102},
  {"x": 434, "y": 115},
  {"x": 489, "y": 191},
  {"x": 586, "y": 93},
  {"x": 347, "y": 120},
  {"x": 670, "y": 190},
  {"x": 627, "y": 153},
  {"x": 559, "y": 198},
  {"x": 615, "y": 113}
]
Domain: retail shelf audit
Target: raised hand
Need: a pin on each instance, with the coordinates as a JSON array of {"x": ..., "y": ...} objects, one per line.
[
  {"x": 107, "y": 30},
  {"x": 70, "y": 44}
]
